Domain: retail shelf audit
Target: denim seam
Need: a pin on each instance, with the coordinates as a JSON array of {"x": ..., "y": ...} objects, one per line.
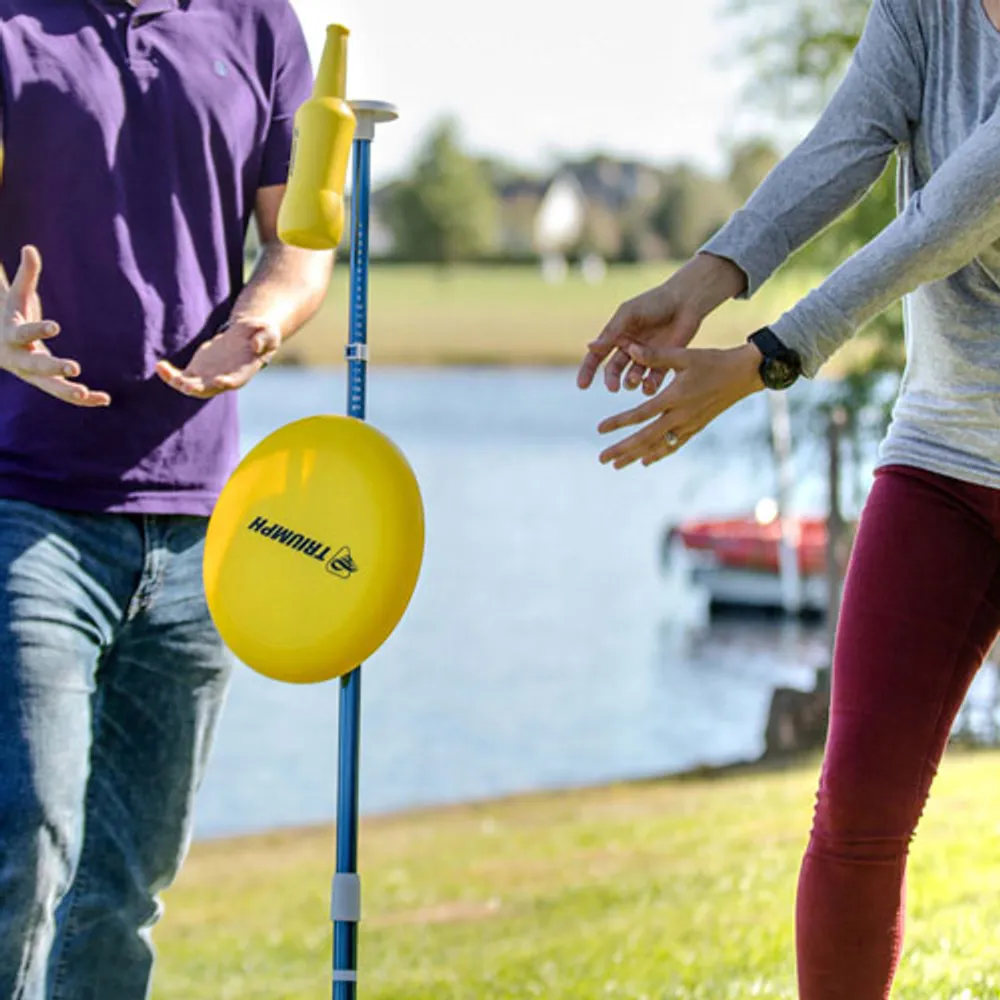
[
  {"x": 80, "y": 880},
  {"x": 22, "y": 972},
  {"x": 153, "y": 567}
]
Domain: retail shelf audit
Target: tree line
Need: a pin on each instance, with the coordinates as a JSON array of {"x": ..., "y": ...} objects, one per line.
[
  {"x": 454, "y": 206},
  {"x": 451, "y": 205}
]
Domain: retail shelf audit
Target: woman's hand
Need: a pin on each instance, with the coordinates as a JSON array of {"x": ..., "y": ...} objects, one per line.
[
  {"x": 667, "y": 316},
  {"x": 705, "y": 383},
  {"x": 228, "y": 361}
]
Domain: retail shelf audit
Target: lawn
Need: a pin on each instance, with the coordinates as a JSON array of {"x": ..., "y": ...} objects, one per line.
[
  {"x": 676, "y": 889},
  {"x": 505, "y": 316}
]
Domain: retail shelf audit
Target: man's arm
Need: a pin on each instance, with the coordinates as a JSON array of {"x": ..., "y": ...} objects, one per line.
[
  {"x": 288, "y": 284},
  {"x": 286, "y": 289}
]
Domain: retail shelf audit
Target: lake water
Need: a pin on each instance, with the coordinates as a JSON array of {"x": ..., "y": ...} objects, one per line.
[{"x": 543, "y": 648}]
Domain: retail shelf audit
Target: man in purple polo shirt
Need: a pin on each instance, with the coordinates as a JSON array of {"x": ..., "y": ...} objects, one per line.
[{"x": 138, "y": 142}]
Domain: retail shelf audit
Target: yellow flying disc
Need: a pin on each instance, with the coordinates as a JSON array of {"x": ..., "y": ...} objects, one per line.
[{"x": 314, "y": 549}]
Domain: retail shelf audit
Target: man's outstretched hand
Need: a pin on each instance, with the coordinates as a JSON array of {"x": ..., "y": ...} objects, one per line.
[
  {"x": 228, "y": 361},
  {"x": 23, "y": 333}
]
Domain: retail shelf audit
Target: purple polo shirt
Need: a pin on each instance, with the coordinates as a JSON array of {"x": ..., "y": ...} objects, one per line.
[{"x": 135, "y": 140}]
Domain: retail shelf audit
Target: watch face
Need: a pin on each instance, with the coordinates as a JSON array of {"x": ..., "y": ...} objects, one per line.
[{"x": 779, "y": 373}]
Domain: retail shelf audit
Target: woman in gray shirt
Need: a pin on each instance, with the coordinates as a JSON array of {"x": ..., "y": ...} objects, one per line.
[{"x": 921, "y": 603}]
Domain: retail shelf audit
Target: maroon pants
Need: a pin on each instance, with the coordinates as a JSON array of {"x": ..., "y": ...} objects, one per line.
[{"x": 921, "y": 609}]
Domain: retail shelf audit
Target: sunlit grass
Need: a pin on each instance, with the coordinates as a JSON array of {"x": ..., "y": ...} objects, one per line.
[
  {"x": 506, "y": 316},
  {"x": 678, "y": 889}
]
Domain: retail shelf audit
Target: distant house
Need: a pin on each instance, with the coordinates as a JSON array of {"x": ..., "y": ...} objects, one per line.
[
  {"x": 561, "y": 216},
  {"x": 519, "y": 201},
  {"x": 617, "y": 184},
  {"x": 591, "y": 206},
  {"x": 584, "y": 206}
]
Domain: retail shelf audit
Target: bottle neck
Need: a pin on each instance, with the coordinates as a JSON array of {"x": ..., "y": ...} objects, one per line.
[{"x": 331, "y": 80}]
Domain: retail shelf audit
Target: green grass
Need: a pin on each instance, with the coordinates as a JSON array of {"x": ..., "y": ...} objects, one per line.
[
  {"x": 675, "y": 889},
  {"x": 505, "y": 316}
]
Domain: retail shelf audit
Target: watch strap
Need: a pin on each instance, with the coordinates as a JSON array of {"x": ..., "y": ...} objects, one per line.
[{"x": 767, "y": 342}]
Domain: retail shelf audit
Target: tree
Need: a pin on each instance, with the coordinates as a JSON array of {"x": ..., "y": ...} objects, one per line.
[
  {"x": 691, "y": 208},
  {"x": 446, "y": 210},
  {"x": 749, "y": 163}
]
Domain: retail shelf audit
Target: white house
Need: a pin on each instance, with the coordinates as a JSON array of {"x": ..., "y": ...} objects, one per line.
[{"x": 561, "y": 216}]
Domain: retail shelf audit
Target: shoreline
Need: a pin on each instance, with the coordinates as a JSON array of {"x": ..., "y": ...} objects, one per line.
[
  {"x": 697, "y": 774},
  {"x": 703, "y": 774}
]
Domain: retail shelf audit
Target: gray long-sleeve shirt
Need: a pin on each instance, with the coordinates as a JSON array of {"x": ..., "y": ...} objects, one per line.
[{"x": 924, "y": 80}]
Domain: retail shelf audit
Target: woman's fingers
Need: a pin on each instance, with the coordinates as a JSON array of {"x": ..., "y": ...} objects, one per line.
[
  {"x": 588, "y": 367},
  {"x": 640, "y": 317},
  {"x": 598, "y": 349},
  {"x": 634, "y": 376},
  {"x": 614, "y": 370},
  {"x": 669, "y": 398},
  {"x": 637, "y": 415},
  {"x": 652, "y": 382},
  {"x": 706, "y": 383},
  {"x": 649, "y": 379},
  {"x": 667, "y": 445},
  {"x": 659, "y": 440},
  {"x": 635, "y": 446}
]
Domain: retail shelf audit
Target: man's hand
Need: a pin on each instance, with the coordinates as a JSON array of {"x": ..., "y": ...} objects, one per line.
[
  {"x": 705, "y": 383},
  {"x": 22, "y": 334},
  {"x": 665, "y": 317},
  {"x": 228, "y": 361}
]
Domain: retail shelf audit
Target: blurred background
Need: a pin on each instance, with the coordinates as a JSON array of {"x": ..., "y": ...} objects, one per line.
[{"x": 574, "y": 625}]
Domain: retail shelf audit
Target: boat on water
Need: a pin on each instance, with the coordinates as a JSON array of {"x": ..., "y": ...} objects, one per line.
[{"x": 758, "y": 561}]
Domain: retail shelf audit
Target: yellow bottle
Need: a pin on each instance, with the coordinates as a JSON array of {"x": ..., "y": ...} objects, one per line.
[{"x": 312, "y": 211}]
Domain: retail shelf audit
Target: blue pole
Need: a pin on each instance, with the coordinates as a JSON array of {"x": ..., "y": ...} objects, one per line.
[
  {"x": 357, "y": 346},
  {"x": 346, "y": 902}
]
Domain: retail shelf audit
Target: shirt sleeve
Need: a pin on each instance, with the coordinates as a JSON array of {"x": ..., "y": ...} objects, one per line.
[
  {"x": 293, "y": 81},
  {"x": 871, "y": 113},
  {"x": 943, "y": 227}
]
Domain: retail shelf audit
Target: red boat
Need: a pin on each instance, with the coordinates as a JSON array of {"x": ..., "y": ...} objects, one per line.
[
  {"x": 745, "y": 543},
  {"x": 737, "y": 562}
]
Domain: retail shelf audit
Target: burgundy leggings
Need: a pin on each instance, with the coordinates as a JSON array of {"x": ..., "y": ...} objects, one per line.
[{"x": 921, "y": 609}]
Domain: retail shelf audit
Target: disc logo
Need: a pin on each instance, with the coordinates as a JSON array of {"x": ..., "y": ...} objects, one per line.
[{"x": 341, "y": 564}]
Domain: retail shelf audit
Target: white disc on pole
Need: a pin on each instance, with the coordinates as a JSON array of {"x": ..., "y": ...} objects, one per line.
[{"x": 372, "y": 113}]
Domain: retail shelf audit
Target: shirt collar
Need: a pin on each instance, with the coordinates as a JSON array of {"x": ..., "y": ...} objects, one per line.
[{"x": 145, "y": 8}]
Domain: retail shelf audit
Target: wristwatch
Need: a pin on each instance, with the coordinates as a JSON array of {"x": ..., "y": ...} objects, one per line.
[{"x": 781, "y": 366}]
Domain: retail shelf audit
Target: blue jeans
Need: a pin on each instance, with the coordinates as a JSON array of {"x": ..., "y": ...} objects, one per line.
[{"x": 112, "y": 677}]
